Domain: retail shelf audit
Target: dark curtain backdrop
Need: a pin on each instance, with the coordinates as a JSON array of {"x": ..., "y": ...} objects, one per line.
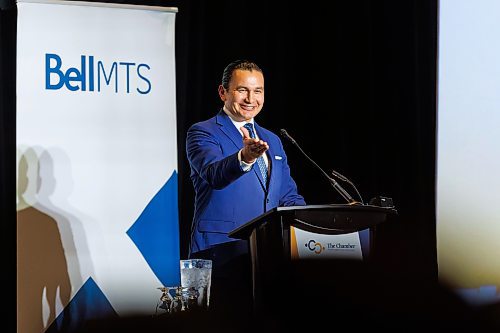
[
  {"x": 354, "y": 82},
  {"x": 8, "y": 156}
]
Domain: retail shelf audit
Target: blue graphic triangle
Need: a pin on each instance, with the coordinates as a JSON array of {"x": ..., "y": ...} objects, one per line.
[
  {"x": 156, "y": 234},
  {"x": 89, "y": 303}
]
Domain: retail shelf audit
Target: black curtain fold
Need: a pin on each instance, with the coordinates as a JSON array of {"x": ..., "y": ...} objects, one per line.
[{"x": 8, "y": 16}]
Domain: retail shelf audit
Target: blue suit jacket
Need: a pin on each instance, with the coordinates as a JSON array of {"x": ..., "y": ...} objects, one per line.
[{"x": 225, "y": 196}]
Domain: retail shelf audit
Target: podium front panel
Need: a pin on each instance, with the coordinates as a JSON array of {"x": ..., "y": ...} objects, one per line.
[{"x": 311, "y": 245}]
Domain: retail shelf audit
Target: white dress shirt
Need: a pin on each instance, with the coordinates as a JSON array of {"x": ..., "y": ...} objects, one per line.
[{"x": 238, "y": 124}]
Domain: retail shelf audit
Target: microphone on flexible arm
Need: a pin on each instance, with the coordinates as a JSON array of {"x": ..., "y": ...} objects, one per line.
[
  {"x": 332, "y": 181},
  {"x": 345, "y": 179}
]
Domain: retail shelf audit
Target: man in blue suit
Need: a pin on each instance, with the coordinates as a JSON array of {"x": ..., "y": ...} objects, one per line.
[
  {"x": 229, "y": 178},
  {"x": 239, "y": 171}
]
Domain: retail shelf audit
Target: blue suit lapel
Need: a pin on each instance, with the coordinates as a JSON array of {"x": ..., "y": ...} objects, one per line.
[{"x": 227, "y": 127}]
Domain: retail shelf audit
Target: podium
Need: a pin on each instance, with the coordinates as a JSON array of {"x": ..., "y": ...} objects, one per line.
[{"x": 271, "y": 240}]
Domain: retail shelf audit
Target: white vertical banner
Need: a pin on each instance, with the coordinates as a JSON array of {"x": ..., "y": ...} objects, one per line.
[{"x": 97, "y": 214}]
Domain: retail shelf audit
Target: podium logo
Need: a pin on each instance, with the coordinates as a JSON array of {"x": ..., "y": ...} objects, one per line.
[
  {"x": 314, "y": 246},
  {"x": 95, "y": 75}
]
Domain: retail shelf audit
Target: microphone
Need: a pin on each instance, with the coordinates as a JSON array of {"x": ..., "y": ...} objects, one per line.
[
  {"x": 285, "y": 134},
  {"x": 332, "y": 181},
  {"x": 345, "y": 179}
]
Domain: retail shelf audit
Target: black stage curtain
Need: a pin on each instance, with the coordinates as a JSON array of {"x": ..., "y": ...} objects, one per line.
[
  {"x": 354, "y": 82},
  {"x": 8, "y": 153}
]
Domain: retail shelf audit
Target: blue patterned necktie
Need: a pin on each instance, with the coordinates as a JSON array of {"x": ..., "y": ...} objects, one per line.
[{"x": 260, "y": 160}]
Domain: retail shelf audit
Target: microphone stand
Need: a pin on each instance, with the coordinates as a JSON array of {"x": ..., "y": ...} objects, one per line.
[
  {"x": 342, "y": 192},
  {"x": 345, "y": 179}
]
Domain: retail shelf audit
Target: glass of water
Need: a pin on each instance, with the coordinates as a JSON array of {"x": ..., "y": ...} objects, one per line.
[{"x": 196, "y": 275}]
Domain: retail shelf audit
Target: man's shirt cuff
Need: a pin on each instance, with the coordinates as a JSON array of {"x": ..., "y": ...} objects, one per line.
[{"x": 244, "y": 165}]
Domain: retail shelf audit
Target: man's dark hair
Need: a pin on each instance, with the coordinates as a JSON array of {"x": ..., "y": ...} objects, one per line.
[{"x": 238, "y": 64}]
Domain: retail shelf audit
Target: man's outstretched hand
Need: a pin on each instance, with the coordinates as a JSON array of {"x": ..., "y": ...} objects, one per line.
[{"x": 252, "y": 148}]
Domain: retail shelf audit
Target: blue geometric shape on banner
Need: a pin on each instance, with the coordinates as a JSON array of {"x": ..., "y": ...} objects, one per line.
[
  {"x": 89, "y": 303},
  {"x": 156, "y": 234}
]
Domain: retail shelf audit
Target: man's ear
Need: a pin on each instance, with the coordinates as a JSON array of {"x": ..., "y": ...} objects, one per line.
[{"x": 222, "y": 93}]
